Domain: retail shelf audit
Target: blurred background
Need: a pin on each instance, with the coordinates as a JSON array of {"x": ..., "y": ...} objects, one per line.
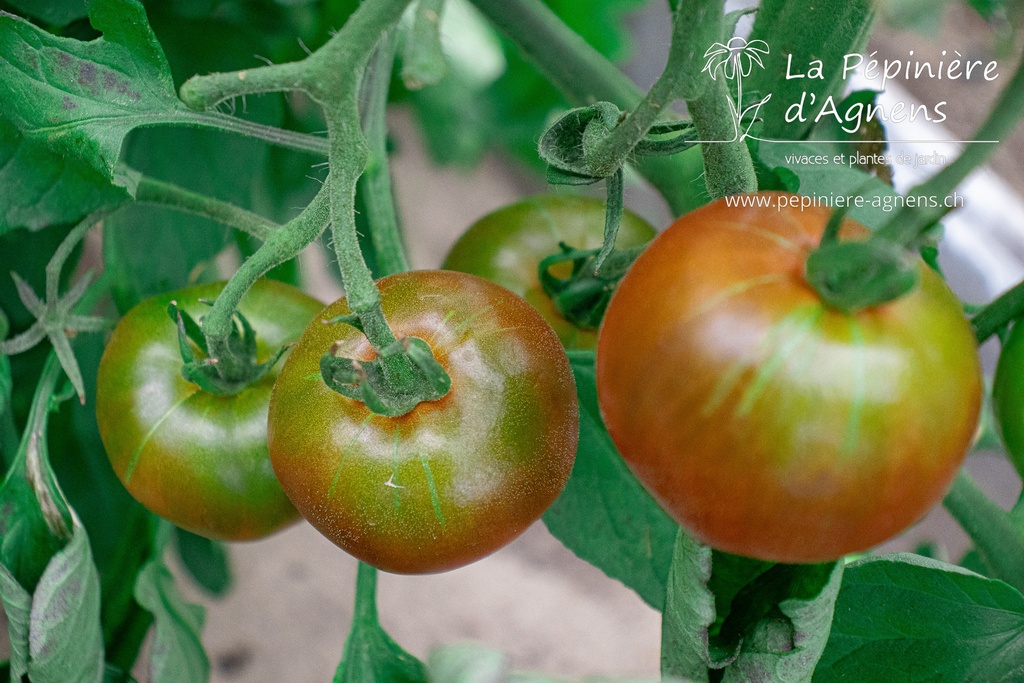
[{"x": 288, "y": 614}]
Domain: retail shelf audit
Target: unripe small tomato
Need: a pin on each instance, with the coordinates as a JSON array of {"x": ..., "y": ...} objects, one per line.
[
  {"x": 197, "y": 459},
  {"x": 1008, "y": 395},
  {"x": 508, "y": 245}
]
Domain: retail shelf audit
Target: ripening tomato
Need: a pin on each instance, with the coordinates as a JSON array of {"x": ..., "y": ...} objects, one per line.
[
  {"x": 194, "y": 458},
  {"x": 766, "y": 422},
  {"x": 1008, "y": 395},
  {"x": 456, "y": 478},
  {"x": 508, "y": 245}
]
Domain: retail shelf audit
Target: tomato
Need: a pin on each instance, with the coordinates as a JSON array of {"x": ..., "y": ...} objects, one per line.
[
  {"x": 456, "y": 478},
  {"x": 194, "y": 458},
  {"x": 766, "y": 422},
  {"x": 508, "y": 245},
  {"x": 1008, "y": 395}
]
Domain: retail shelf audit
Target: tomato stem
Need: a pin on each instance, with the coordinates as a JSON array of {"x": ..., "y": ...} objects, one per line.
[
  {"x": 907, "y": 223},
  {"x": 997, "y": 535},
  {"x": 375, "y": 183},
  {"x": 584, "y": 76},
  {"x": 160, "y": 193},
  {"x": 1007, "y": 307}
]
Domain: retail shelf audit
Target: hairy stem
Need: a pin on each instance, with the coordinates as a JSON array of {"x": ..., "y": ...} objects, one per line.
[
  {"x": 728, "y": 166},
  {"x": 160, "y": 193},
  {"x": 375, "y": 183},
  {"x": 585, "y": 76}
]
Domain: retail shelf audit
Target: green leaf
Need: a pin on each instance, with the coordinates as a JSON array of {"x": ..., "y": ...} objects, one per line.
[
  {"x": 80, "y": 98},
  {"x": 55, "y": 633},
  {"x": 689, "y": 612},
  {"x": 55, "y": 12},
  {"x": 825, "y": 181},
  {"x": 805, "y": 30},
  {"x": 907, "y": 618},
  {"x": 206, "y": 561},
  {"x": 177, "y": 655},
  {"x": 793, "y": 605},
  {"x": 43, "y": 187},
  {"x": 604, "y": 515}
]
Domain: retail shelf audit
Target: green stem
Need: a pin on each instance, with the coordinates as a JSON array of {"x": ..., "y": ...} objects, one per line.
[
  {"x": 585, "y": 76},
  {"x": 907, "y": 223},
  {"x": 1006, "y": 307},
  {"x": 729, "y": 168},
  {"x": 281, "y": 245},
  {"x": 202, "y": 92},
  {"x": 366, "y": 594},
  {"x": 375, "y": 183},
  {"x": 695, "y": 26},
  {"x": 996, "y": 537},
  {"x": 158, "y": 192},
  {"x": 64, "y": 249}
]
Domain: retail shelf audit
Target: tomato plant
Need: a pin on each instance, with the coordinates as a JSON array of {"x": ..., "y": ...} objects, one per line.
[
  {"x": 774, "y": 386},
  {"x": 768, "y": 423},
  {"x": 507, "y": 246},
  {"x": 456, "y": 478},
  {"x": 197, "y": 459}
]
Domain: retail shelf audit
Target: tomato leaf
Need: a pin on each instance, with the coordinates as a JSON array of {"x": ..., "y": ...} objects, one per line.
[
  {"x": 82, "y": 98},
  {"x": 177, "y": 655},
  {"x": 206, "y": 561},
  {"x": 904, "y": 617},
  {"x": 55, "y": 631},
  {"x": 803, "y": 31},
  {"x": 604, "y": 515},
  {"x": 43, "y": 187},
  {"x": 54, "y": 12},
  {"x": 829, "y": 180},
  {"x": 773, "y": 628}
]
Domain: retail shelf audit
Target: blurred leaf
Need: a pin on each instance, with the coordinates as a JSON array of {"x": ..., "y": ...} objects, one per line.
[
  {"x": 79, "y": 98},
  {"x": 604, "y": 515},
  {"x": 177, "y": 655},
  {"x": 805, "y": 30},
  {"x": 907, "y": 618},
  {"x": 56, "y": 12},
  {"x": 55, "y": 632},
  {"x": 828, "y": 180},
  {"x": 206, "y": 561}
]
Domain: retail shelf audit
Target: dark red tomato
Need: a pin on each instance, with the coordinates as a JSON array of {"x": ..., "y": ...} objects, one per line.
[
  {"x": 196, "y": 459},
  {"x": 1008, "y": 395},
  {"x": 766, "y": 422},
  {"x": 508, "y": 245},
  {"x": 456, "y": 478}
]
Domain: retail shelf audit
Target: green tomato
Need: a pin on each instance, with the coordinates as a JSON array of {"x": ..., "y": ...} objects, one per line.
[
  {"x": 508, "y": 245},
  {"x": 194, "y": 458},
  {"x": 1008, "y": 395},
  {"x": 456, "y": 478}
]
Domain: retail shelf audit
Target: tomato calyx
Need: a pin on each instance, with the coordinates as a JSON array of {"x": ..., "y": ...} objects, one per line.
[
  {"x": 583, "y": 296},
  {"x": 368, "y": 381},
  {"x": 855, "y": 275},
  {"x": 232, "y": 371}
]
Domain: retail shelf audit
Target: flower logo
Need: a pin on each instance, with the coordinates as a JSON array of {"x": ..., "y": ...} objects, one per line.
[{"x": 736, "y": 59}]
